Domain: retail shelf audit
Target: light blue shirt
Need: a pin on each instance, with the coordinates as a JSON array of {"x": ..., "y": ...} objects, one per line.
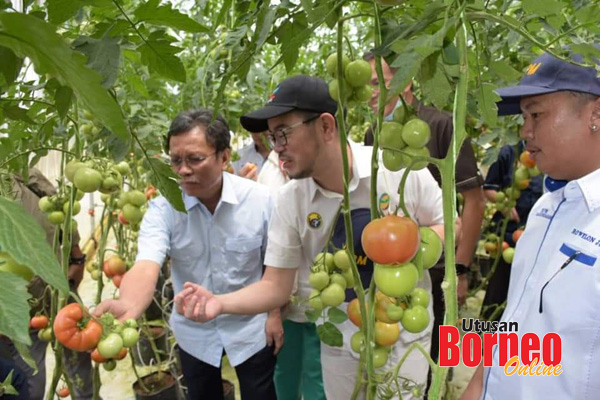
[
  {"x": 223, "y": 252},
  {"x": 248, "y": 154},
  {"x": 560, "y": 224}
]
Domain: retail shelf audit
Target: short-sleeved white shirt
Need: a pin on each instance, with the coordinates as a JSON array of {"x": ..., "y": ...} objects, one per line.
[
  {"x": 304, "y": 213},
  {"x": 561, "y": 223}
]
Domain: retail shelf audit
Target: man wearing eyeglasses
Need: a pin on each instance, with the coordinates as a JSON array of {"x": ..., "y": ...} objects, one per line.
[
  {"x": 555, "y": 277},
  {"x": 219, "y": 243},
  {"x": 303, "y": 131}
]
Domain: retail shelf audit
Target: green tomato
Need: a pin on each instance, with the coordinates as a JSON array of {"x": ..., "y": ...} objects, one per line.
[
  {"x": 339, "y": 279},
  {"x": 71, "y": 168},
  {"x": 363, "y": 93},
  {"x": 132, "y": 213},
  {"x": 76, "y": 208},
  {"x": 380, "y": 357},
  {"x": 331, "y": 64},
  {"x": 421, "y": 152},
  {"x": 87, "y": 180},
  {"x": 110, "y": 346},
  {"x": 333, "y": 295},
  {"x": 123, "y": 199},
  {"x": 318, "y": 280},
  {"x": 431, "y": 247},
  {"x": 56, "y": 217},
  {"x": 394, "y": 312},
  {"x": 533, "y": 171},
  {"x": 500, "y": 197},
  {"x": 334, "y": 90},
  {"x": 358, "y": 73},
  {"x": 357, "y": 342},
  {"x": 416, "y": 133},
  {"x": 397, "y": 280},
  {"x": 109, "y": 365},
  {"x": 118, "y": 328},
  {"x": 415, "y": 319},
  {"x": 419, "y": 297},
  {"x": 324, "y": 261},
  {"x": 110, "y": 184},
  {"x": 130, "y": 337},
  {"x": 79, "y": 194},
  {"x": 137, "y": 198},
  {"x": 341, "y": 259},
  {"x": 508, "y": 255},
  {"x": 131, "y": 323},
  {"x": 391, "y": 136},
  {"x": 45, "y": 204},
  {"x": 394, "y": 160},
  {"x": 95, "y": 274},
  {"x": 123, "y": 168},
  {"x": 314, "y": 301},
  {"x": 349, "y": 276},
  {"x": 45, "y": 335}
]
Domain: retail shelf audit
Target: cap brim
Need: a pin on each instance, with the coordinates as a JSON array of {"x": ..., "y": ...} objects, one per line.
[
  {"x": 511, "y": 97},
  {"x": 256, "y": 121}
]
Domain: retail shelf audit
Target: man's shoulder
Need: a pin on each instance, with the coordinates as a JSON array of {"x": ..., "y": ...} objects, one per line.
[
  {"x": 247, "y": 188},
  {"x": 432, "y": 115}
]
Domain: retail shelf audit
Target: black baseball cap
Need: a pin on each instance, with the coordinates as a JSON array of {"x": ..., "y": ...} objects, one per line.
[
  {"x": 547, "y": 74},
  {"x": 300, "y": 92}
]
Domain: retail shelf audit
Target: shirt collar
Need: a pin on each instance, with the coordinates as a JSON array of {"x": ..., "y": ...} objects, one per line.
[
  {"x": 361, "y": 168},
  {"x": 228, "y": 194},
  {"x": 590, "y": 188}
]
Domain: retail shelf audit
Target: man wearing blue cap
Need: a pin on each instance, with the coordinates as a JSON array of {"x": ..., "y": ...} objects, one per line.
[{"x": 555, "y": 279}]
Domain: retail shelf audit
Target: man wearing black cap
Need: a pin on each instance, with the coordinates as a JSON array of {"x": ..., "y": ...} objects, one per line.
[
  {"x": 555, "y": 280},
  {"x": 302, "y": 130}
]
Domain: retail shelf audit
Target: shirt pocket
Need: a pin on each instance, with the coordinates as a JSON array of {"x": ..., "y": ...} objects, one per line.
[
  {"x": 244, "y": 259},
  {"x": 186, "y": 255}
]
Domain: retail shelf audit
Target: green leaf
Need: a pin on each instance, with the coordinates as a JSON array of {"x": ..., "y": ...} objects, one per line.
[
  {"x": 165, "y": 180},
  {"x": 14, "y": 308},
  {"x": 309, "y": 9},
  {"x": 165, "y": 16},
  {"x": 293, "y": 37},
  {"x": 104, "y": 56},
  {"x": 486, "y": 103},
  {"x": 10, "y": 65},
  {"x": 264, "y": 22},
  {"x": 224, "y": 9},
  {"x": 6, "y": 387},
  {"x": 17, "y": 113},
  {"x": 437, "y": 89},
  {"x": 504, "y": 70},
  {"x": 407, "y": 67},
  {"x": 589, "y": 14},
  {"x": 312, "y": 315},
  {"x": 336, "y": 315},
  {"x": 116, "y": 147},
  {"x": 30, "y": 37},
  {"x": 330, "y": 334},
  {"x": 159, "y": 56},
  {"x": 62, "y": 100},
  {"x": 543, "y": 7},
  {"x": 60, "y": 11},
  {"x": 23, "y": 238}
]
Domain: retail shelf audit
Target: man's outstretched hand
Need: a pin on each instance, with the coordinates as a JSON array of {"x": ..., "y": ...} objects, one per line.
[{"x": 197, "y": 303}]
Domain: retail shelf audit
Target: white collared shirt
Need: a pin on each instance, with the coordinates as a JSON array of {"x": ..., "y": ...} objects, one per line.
[
  {"x": 223, "y": 252},
  {"x": 561, "y": 223},
  {"x": 304, "y": 213}
]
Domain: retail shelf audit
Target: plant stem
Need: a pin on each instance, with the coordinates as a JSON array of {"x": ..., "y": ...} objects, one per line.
[{"x": 32, "y": 150}]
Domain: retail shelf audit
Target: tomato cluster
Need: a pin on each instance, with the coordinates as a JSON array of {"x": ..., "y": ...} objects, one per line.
[
  {"x": 357, "y": 75},
  {"x": 330, "y": 276},
  {"x": 403, "y": 138},
  {"x": 116, "y": 341},
  {"x": 92, "y": 175},
  {"x": 129, "y": 206},
  {"x": 58, "y": 207}
]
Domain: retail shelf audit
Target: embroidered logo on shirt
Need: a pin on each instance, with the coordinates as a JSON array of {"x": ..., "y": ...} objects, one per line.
[
  {"x": 544, "y": 213},
  {"x": 384, "y": 202},
  {"x": 314, "y": 220}
]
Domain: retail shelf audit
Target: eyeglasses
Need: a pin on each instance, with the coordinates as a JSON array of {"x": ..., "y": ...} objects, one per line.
[
  {"x": 192, "y": 161},
  {"x": 279, "y": 136}
]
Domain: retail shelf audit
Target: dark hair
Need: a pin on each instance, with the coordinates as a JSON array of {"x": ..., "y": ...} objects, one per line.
[
  {"x": 215, "y": 129},
  {"x": 368, "y": 55}
]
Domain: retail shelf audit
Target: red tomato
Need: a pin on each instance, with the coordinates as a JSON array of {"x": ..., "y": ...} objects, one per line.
[
  {"x": 63, "y": 391},
  {"x": 353, "y": 311},
  {"x": 526, "y": 160},
  {"x": 516, "y": 235},
  {"x": 73, "y": 331},
  {"x": 96, "y": 356},
  {"x": 391, "y": 240},
  {"x": 38, "y": 322},
  {"x": 122, "y": 354},
  {"x": 114, "y": 266},
  {"x": 117, "y": 280},
  {"x": 122, "y": 219},
  {"x": 381, "y": 304},
  {"x": 386, "y": 334}
]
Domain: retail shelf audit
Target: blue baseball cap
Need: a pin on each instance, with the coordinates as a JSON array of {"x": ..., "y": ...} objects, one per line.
[{"x": 547, "y": 74}]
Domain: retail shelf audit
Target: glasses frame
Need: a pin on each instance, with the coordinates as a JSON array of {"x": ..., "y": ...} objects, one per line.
[
  {"x": 186, "y": 160},
  {"x": 282, "y": 133}
]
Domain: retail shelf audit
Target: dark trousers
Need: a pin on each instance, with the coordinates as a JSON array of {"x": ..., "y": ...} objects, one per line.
[
  {"x": 496, "y": 292},
  {"x": 255, "y": 376}
]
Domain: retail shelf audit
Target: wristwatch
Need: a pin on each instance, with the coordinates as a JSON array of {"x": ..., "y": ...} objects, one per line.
[{"x": 461, "y": 269}]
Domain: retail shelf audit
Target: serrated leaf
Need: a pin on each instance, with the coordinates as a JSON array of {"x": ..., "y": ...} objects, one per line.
[
  {"x": 165, "y": 15},
  {"x": 588, "y": 14},
  {"x": 543, "y": 7},
  {"x": 437, "y": 89},
  {"x": 166, "y": 181},
  {"x": 504, "y": 70},
  {"x": 336, "y": 315},
  {"x": 330, "y": 335},
  {"x": 10, "y": 65},
  {"x": 23, "y": 238},
  {"x": 312, "y": 315},
  {"x": 14, "y": 308},
  {"x": 293, "y": 37},
  {"x": 62, "y": 100},
  {"x": 264, "y": 22},
  {"x": 60, "y": 11},
  {"x": 30, "y": 37},
  {"x": 17, "y": 113},
  {"x": 406, "y": 68},
  {"x": 486, "y": 103},
  {"x": 104, "y": 56},
  {"x": 160, "y": 57}
]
